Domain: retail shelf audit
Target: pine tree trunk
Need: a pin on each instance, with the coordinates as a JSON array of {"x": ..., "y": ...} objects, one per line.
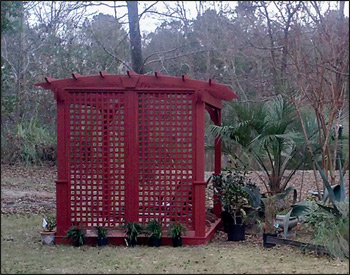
[{"x": 135, "y": 37}]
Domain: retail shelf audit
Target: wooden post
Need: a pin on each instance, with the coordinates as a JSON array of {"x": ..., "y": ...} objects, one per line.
[
  {"x": 131, "y": 160},
  {"x": 199, "y": 183},
  {"x": 199, "y": 206},
  {"x": 217, "y": 169},
  {"x": 62, "y": 184}
]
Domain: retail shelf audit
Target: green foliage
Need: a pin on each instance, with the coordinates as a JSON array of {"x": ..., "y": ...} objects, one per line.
[
  {"x": 269, "y": 205},
  {"x": 101, "y": 232},
  {"x": 10, "y": 13},
  {"x": 29, "y": 142},
  {"x": 132, "y": 230},
  {"x": 336, "y": 193},
  {"x": 77, "y": 235},
  {"x": 229, "y": 187},
  {"x": 51, "y": 223},
  {"x": 329, "y": 219},
  {"x": 176, "y": 230},
  {"x": 266, "y": 134},
  {"x": 154, "y": 229},
  {"x": 330, "y": 230}
]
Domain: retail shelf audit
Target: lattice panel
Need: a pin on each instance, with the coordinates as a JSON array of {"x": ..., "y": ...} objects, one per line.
[
  {"x": 96, "y": 138},
  {"x": 165, "y": 131}
]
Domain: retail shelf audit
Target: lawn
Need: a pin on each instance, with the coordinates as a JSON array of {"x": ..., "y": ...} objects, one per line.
[{"x": 22, "y": 252}]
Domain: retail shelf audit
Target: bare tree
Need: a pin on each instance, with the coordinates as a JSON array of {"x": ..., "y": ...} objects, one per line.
[{"x": 320, "y": 62}]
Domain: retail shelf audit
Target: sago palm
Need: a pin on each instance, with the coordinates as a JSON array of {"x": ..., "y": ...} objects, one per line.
[{"x": 265, "y": 134}]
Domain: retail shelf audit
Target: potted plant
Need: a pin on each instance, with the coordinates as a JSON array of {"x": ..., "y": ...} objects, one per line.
[
  {"x": 102, "y": 232},
  {"x": 48, "y": 233},
  {"x": 77, "y": 235},
  {"x": 132, "y": 230},
  {"x": 154, "y": 230},
  {"x": 175, "y": 231},
  {"x": 269, "y": 226},
  {"x": 235, "y": 201}
]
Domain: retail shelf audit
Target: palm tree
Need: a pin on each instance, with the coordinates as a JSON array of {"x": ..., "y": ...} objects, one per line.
[{"x": 265, "y": 133}]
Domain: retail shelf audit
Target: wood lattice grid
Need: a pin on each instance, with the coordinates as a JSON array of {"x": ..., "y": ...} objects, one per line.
[
  {"x": 96, "y": 158},
  {"x": 165, "y": 131}
]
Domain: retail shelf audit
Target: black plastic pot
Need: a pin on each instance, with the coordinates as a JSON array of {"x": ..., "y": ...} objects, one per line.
[
  {"x": 267, "y": 244},
  {"x": 155, "y": 242},
  {"x": 77, "y": 243},
  {"x": 177, "y": 241},
  {"x": 132, "y": 242},
  {"x": 235, "y": 232},
  {"x": 102, "y": 241},
  {"x": 227, "y": 219}
]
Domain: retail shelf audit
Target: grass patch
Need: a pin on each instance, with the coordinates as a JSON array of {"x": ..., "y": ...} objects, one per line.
[{"x": 22, "y": 252}]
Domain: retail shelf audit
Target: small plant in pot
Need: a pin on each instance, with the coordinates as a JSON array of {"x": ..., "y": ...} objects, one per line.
[
  {"x": 176, "y": 230},
  {"x": 132, "y": 230},
  {"x": 76, "y": 235},
  {"x": 230, "y": 188},
  {"x": 102, "y": 238},
  {"x": 154, "y": 231},
  {"x": 48, "y": 233}
]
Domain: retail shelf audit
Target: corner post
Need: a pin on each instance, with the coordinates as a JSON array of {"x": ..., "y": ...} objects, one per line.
[
  {"x": 217, "y": 168},
  {"x": 199, "y": 183},
  {"x": 199, "y": 206},
  {"x": 62, "y": 184}
]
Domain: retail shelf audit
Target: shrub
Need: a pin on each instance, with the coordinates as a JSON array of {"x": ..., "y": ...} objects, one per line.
[
  {"x": 28, "y": 142},
  {"x": 331, "y": 231}
]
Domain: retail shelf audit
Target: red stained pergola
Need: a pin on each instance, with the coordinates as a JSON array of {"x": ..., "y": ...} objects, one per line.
[{"x": 131, "y": 148}]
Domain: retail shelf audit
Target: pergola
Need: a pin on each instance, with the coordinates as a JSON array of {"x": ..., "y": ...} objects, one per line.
[{"x": 131, "y": 148}]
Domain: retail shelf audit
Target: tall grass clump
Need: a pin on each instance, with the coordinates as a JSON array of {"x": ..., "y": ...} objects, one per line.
[
  {"x": 28, "y": 142},
  {"x": 331, "y": 231}
]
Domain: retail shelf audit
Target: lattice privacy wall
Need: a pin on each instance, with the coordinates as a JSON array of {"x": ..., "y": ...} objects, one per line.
[
  {"x": 166, "y": 136},
  {"x": 96, "y": 158}
]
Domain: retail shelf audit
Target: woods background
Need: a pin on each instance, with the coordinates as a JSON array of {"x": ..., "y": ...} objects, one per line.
[{"x": 260, "y": 49}]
